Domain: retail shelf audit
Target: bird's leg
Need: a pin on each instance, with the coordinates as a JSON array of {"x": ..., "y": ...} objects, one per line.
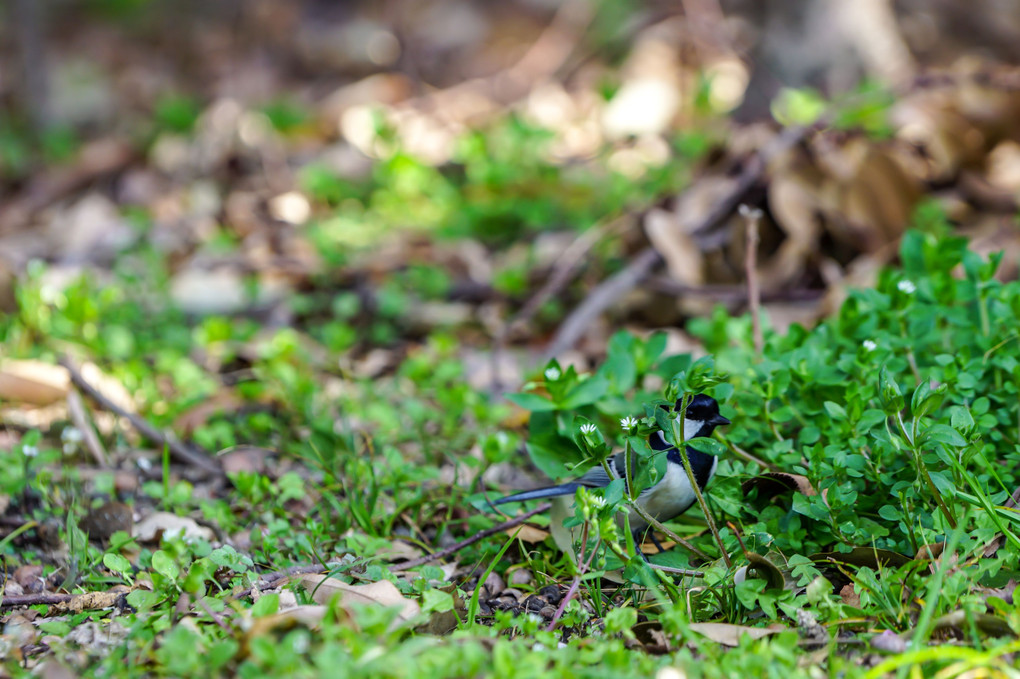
[{"x": 655, "y": 541}]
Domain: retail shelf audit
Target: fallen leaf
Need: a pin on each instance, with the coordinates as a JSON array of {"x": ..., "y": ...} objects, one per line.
[
  {"x": 309, "y": 616},
  {"x": 155, "y": 527},
  {"x": 985, "y": 622},
  {"x": 528, "y": 534},
  {"x": 33, "y": 382},
  {"x": 382, "y": 593},
  {"x": 850, "y": 596},
  {"x": 771, "y": 484},
  {"x": 864, "y": 557},
  {"x": 90, "y": 601},
  {"x": 729, "y": 635},
  {"x": 677, "y": 247}
]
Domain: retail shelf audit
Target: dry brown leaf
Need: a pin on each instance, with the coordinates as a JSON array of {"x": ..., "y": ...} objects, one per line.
[
  {"x": 309, "y": 616},
  {"x": 850, "y": 596},
  {"x": 729, "y": 635},
  {"x": 677, "y": 247},
  {"x": 155, "y": 526},
  {"x": 224, "y": 400},
  {"x": 90, "y": 601},
  {"x": 528, "y": 534},
  {"x": 33, "y": 382},
  {"x": 244, "y": 459},
  {"x": 987, "y": 623},
  {"x": 381, "y": 593},
  {"x": 771, "y": 484}
]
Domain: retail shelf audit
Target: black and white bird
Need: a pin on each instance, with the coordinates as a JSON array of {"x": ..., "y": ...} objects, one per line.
[{"x": 670, "y": 496}]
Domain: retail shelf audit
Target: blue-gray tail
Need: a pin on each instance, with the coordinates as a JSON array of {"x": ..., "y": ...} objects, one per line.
[{"x": 540, "y": 493}]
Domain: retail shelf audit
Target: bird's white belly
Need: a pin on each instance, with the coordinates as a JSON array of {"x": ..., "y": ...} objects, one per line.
[{"x": 672, "y": 495}]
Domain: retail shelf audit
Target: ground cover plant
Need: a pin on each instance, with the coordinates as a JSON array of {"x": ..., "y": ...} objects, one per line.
[
  {"x": 287, "y": 299},
  {"x": 863, "y": 503}
]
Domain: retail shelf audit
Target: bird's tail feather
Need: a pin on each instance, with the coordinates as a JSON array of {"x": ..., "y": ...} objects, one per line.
[{"x": 539, "y": 493}]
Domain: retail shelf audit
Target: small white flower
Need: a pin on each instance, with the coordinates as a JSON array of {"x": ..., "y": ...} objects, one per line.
[
  {"x": 869, "y": 345},
  {"x": 598, "y": 502},
  {"x": 30, "y": 451},
  {"x": 71, "y": 437},
  {"x": 588, "y": 428},
  {"x": 552, "y": 374},
  {"x": 628, "y": 423},
  {"x": 906, "y": 286}
]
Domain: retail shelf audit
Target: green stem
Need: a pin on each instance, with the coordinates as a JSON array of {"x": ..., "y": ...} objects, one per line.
[
  {"x": 657, "y": 525},
  {"x": 704, "y": 505}
]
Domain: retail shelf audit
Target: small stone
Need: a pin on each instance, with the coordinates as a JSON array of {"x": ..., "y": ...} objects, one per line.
[
  {"x": 521, "y": 576},
  {"x": 515, "y": 593},
  {"x": 551, "y": 593},
  {"x": 103, "y": 521},
  {"x": 494, "y": 584},
  {"x": 889, "y": 642},
  {"x": 534, "y": 603},
  {"x": 548, "y": 612},
  {"x": 30, "y": 578}
]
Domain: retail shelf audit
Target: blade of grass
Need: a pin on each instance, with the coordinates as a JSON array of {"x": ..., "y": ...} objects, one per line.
[{"x": 473, "y": 605}]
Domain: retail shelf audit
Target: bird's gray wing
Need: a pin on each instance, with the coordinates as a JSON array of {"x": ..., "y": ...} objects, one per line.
[{"x": 596, "y": 477}]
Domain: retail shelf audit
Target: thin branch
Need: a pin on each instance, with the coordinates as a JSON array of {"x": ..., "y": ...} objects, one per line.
[
  {"x": 752, "y": 217},
  {"x": 677, "y": 571},
  {"x": 614, "y": 287},
  {"x": 183, "y": 452},
  {"x": 80, "y": 419},
  {"x": 499, "y": 528},
  {"x": 45, "y": 598}
]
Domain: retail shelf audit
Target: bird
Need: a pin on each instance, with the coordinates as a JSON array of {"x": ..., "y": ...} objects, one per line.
[{"x": 667, "y": 498}]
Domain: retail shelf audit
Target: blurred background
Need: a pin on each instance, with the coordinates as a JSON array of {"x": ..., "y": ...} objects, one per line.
[{"x": 387, "y": 168}]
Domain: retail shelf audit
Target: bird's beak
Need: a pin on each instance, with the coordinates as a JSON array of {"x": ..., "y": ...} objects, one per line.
[{"x": 719, "y": 420}]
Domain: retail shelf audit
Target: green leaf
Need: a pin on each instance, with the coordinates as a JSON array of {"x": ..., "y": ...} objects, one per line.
[
  {"x": 708, "y": 446},
  {"x": 163, "y": 564},
  {"x": 532, "y": 402},
  {"x": 585, "y": 393},
  {"x": 836, "y": 411},
  {"x": 869, "y": 418},
  {"x": 142, "y": 599},
  {"x": 268, "y": 604},
  {"x": 117, "y": 563},
  {"x": 944, "y": 434},
  {"x": 961, "y": 419},
  {"x": 437, "y": 601},
  {"x": 926, "y": 399}
]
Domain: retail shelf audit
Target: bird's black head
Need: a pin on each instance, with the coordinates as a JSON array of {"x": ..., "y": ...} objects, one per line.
[{"x": 704, "y": 411}]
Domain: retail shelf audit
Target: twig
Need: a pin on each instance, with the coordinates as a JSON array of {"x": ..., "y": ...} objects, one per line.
[
  {"x": 752, "y": 217},
  {"x": 678, "y": 571},
  {"x": 499, "y": 528},
  {"x": 215, "y": 616},
  {"x": 657, "y": 525},
  {"x": 181, "y": 451},
  {"x": 76, "y": 410},
  {"x": 270, "y": 580},
  {"x": 622, "y": 282},
  {"x": 730, "y": 294},
  {"x": 566, "y": 265},
  {"x": 574, "y": 585},
  {"x": 740, "y": 452},
  {"x": 46, "y": 598},
  {"x": 599, "y": 299}
]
